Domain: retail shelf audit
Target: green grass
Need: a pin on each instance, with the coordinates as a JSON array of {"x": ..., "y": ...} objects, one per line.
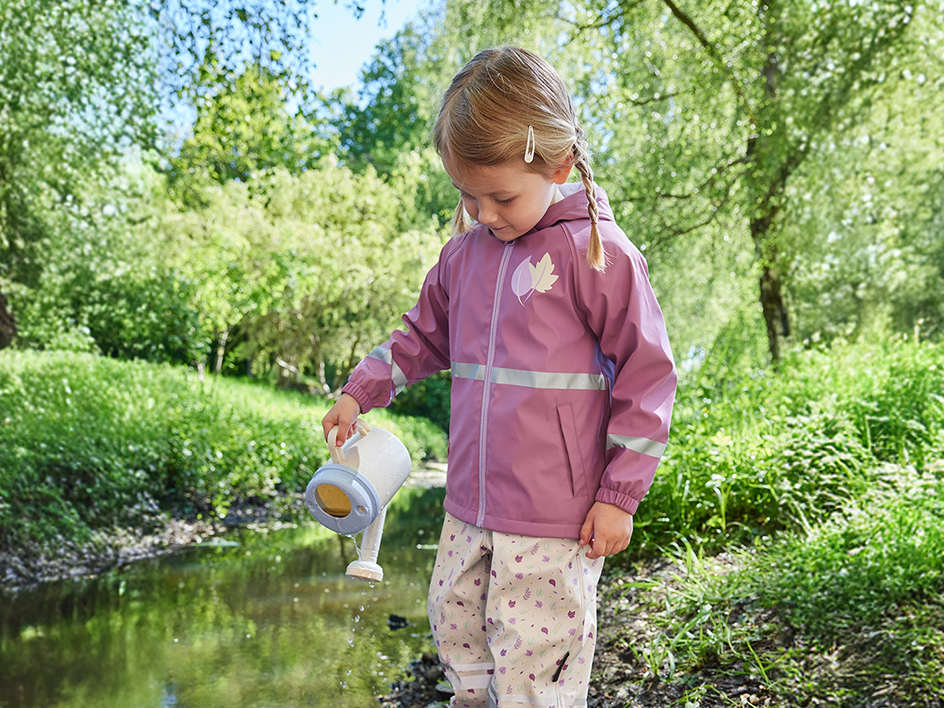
[
  {"x": 822, "y": 485},
  {"x": 834, "y": 614},
  {"x": 767, "y": 452},
  {"x": 89, "y": 443},
  {"x": 864, "y": 561}
]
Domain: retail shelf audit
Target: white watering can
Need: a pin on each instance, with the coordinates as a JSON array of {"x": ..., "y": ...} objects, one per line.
[{"x": 350, "y": 494}]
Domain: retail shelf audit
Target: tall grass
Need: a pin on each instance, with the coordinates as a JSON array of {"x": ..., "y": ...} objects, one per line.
[
  {"x": 764, "y": 452},
  {"x": 824, "y": 484},
  {"x": 868, "y": 559},
  {"x": 89, "y": 443},
  {"x": 838, "y": 610}
]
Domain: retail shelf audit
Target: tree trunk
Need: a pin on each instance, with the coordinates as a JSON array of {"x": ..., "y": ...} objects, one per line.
[
  {"x": 7, "y": 323},
  {"x": 775, "y": 314},
  {"x": 770, "y": 185},
  {"x": 221, "y": 350}
]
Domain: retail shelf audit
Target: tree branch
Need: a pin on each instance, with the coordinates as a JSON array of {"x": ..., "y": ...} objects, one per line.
[
  {"x": 604, "y": 20},
  {"x": 652, "y": 99},
  {"x": 713, "y": 53},
  {"x": 673, "y": 232},
  {"x": 709, "y": 182}
]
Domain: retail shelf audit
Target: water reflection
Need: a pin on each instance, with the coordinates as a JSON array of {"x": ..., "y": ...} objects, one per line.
[{"x": 265, "y": 619}]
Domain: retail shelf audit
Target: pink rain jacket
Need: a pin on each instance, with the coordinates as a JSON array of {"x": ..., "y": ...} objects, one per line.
[{"x": 562, "y": 376}]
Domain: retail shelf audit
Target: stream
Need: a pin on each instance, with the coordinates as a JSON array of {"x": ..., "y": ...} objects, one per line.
[{"x": 260, "y": 619}]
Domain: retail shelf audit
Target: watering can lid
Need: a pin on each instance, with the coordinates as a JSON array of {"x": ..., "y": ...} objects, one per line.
[{"x": 365, "y": 501}]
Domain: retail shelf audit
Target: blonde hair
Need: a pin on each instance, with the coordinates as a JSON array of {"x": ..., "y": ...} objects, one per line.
[{"x": 487, "y": 114}]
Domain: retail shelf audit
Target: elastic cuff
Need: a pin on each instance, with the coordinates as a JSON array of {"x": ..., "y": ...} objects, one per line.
[
  {"x": 623, "y": 501},
  {"x": 360, "y": 395}
]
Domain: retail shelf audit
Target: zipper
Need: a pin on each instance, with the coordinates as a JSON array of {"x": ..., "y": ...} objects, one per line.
[{"x": 489, "y": 361}]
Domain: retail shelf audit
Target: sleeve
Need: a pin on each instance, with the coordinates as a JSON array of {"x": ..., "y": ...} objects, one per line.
[
  {"x": 622, "y": 311},
  {"x": 411, "y": 355}
]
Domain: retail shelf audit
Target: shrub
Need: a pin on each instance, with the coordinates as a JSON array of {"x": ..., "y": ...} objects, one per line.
[
  {"x": 768, "y": 452},
  {"x": 89, "y": 443},
  {"x": 892, "y": 391},
  {"x": 865, "y": 560}
]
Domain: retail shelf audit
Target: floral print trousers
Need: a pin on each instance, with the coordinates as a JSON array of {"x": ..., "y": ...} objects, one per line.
[{"x": 514, "y": 617}]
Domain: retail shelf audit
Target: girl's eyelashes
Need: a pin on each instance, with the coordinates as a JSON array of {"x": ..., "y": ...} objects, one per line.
[{"x": 503, "y": 202}]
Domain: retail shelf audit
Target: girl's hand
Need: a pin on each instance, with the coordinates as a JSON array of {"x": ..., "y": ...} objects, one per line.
[
  {"x": 607, "y": 529},
  {"x": 342, "y": 416}
]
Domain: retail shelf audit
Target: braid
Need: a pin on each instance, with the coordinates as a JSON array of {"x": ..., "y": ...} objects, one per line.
[
  {"x": 460, "y": 221},
  {"x": 596, "y": 256}
]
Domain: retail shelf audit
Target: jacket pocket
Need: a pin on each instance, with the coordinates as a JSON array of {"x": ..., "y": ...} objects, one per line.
[{"x": 578, "y": 476}]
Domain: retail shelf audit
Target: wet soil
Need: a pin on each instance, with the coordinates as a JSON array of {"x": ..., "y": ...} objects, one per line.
[
  {"x": 620, "y": 679},
  {"x": 29, "y": 567}
]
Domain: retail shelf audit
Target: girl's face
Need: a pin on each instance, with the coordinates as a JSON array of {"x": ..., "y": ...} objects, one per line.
[{"x": 509, "y": 199}]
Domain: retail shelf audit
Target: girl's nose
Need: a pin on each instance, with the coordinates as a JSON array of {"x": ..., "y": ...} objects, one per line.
[{"x": 486, "y": 215}]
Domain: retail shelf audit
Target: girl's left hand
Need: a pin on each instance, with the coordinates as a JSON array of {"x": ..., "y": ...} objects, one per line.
[{"x": 607, "y": 529}]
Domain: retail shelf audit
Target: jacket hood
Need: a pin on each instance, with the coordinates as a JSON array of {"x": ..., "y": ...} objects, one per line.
[{"x": 573, "y": 207}]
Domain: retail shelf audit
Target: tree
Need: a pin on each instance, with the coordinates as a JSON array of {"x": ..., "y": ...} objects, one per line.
[
  {"x": 75, "y": 89},
  {"x": 704, "y": 121},
  {"x": 7, "y": 324},
  {"x": 386, "y": 124},
  {"x": 296, "y": 269},
  {"x": 230, "y": 34},
  {"x": 391, "y": 114},
  {"x": 758, "y": 85},
  {"x": 107, "y": 284},
  {"x": 862, "y": 220},
  {"x": 244, "y": 127}
]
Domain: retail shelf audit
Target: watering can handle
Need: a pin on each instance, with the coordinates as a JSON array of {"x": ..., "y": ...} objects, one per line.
[{"x": 337, "y": 457}]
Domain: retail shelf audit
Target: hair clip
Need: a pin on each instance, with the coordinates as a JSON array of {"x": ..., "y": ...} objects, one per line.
[{"x": 529, "y": 147}]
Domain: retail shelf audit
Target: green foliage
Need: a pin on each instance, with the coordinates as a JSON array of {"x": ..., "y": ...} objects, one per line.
[
  {"x": 88, "y": 444},
  {"x": 429, "y": 398},
  {"x": 861, "y": 229},
  {"x": 738, "y": 141},
  {"x": 190, "y": 33},
  {"x": 867, "y": 559},
  {"x": 243, "y": 128},
  {"x": 893, "y": 392},
  {"x": 76, "y": 88},
  {"x": 309, "y": 270},
  {"x": 393, "y": 111},
  {"x": 106, "y": 284},
  {"x": 753, "y": 455},
  {"x": 831, "y": 611}
]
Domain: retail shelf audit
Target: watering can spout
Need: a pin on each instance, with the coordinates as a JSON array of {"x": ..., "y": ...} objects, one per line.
[{"x": 366, "y": 567}]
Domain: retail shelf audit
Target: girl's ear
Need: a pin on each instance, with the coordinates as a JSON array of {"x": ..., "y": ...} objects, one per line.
[{"x": 561, "y": 174}]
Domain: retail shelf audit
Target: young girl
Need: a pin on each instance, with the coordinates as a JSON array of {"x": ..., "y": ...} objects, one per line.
[{"x": 562, "y": 387}]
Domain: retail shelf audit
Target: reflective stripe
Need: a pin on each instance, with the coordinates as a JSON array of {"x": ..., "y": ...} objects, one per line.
[
  {"x": 383, "y": 354},
  {"x": 531, "y": 379},
  {"x": 513, "y": 699},
  {"x": 469, "y": 682},
  {"x": 480, "y": 666},
  {"x": 644, "y": 446}
]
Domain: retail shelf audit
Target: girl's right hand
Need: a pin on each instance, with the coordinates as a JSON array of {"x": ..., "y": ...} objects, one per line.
[{"x": 342, "y": 416}]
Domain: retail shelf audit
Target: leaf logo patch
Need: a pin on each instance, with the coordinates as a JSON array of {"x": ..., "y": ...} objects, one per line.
[{"x": 529, "y": 278}]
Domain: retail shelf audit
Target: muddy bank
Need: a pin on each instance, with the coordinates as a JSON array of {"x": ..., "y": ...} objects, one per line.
[
  {"x": 107, "y": 551},
  {"x": 172, "y": 531}
]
